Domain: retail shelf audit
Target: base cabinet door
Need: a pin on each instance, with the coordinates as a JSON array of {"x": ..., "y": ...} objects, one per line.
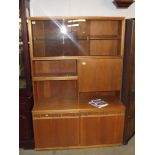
[
  {"x": 101, "y": 130},
  {"x": 50, "y": 133}
]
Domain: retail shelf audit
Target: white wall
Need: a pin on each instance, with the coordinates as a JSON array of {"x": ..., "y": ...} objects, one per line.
[{"x": 78, "y": 8}]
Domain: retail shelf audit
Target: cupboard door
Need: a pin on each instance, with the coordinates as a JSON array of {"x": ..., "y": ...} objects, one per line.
[
  {"x": 101, "y": 130},
  {"x": 56, "y": 132},
  {"x": 99, "y": 74}
]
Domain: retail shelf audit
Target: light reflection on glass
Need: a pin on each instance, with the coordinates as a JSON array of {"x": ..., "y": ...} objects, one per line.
[
  {"x": 76, "y": 20},
  {"x": 73, "y": 25},
  {"x": 64, "y": 31},
  {"x": 68, "y": 35}
]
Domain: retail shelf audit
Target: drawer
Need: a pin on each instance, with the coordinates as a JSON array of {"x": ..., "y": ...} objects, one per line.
[
  {"x": 100, "y": 113},
  {"x": 55, "y": 115}
]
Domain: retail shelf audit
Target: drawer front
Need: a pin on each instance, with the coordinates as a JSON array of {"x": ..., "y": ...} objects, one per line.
[
  {"x": 101, "y": 113},
  {"x": 55, "y": 115}
]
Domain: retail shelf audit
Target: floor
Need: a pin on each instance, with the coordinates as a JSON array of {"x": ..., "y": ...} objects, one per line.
[{"x": 128, "y": 149}]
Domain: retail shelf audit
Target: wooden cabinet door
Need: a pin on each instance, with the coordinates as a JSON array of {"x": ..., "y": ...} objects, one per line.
[
  {"x": 99, "y": 74},
  {"x": 101, "y": 130},
  {"x": 51, "y": 133}
]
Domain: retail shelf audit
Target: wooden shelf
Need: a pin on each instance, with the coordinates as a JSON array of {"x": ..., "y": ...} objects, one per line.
[
  {"x": 75, "y": 57},
  {"x": 104, "y": 37},
  {"x": 58, "y": 76},
  {"x": 97, "y": 37},
  {"x": 66, "y": 105}
]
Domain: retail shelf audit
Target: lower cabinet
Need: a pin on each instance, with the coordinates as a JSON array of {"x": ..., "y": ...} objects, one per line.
[{"x": 80, "y": 130}]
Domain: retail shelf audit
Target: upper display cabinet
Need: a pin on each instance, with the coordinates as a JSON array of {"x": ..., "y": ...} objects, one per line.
[{"x": 76, "y": 36}]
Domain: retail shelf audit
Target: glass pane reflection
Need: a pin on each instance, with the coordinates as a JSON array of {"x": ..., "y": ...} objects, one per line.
[
  {"x": 76, "y": 37},
  {"x": 60, "y": 38}
]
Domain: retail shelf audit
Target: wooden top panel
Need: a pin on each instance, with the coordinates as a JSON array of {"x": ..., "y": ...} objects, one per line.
[
  {"x": 71, "y": 105},
  {"x": 75, "y": 17}
]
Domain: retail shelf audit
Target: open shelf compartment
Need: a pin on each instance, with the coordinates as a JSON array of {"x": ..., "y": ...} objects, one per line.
[
  {"x": 59, "y": 91},
  {"x": 55, "y": 70}
]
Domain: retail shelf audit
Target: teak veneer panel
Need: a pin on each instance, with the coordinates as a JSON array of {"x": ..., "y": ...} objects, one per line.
[
  {"x": 104, "y": 27},
  {"x": 101, "y": 130},
  {"x": 99, "y": 74},
  {"x": 104, "y": 47},
  {"x": 56, "y": 132},
  {"x": 54, "y": 89},
  {"x": 54, "y": 70}
]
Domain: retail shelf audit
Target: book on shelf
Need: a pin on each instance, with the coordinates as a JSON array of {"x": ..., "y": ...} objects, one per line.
[{"x": 99, "y": 103}]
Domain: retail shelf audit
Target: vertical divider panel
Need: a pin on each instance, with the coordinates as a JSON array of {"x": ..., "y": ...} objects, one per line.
[
  {"x": 77, "y": 82},
  {"x": 77, "y": 64},
  {"x": 122, "y": 37}
]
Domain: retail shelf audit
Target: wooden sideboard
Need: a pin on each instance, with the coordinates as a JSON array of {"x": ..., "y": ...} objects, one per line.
[{"x": 75, "y": 60}]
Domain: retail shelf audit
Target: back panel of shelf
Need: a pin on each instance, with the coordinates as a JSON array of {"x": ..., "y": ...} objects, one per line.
[
  {"x": 55, "y": 91},
  {"x": 55, "y": 68}
]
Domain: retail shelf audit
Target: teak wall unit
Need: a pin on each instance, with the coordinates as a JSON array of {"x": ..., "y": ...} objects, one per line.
[{"x": 74, "y": 60}]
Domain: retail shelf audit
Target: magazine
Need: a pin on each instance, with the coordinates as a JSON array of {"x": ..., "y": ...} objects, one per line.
[{"x": 99, "y": 103}]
